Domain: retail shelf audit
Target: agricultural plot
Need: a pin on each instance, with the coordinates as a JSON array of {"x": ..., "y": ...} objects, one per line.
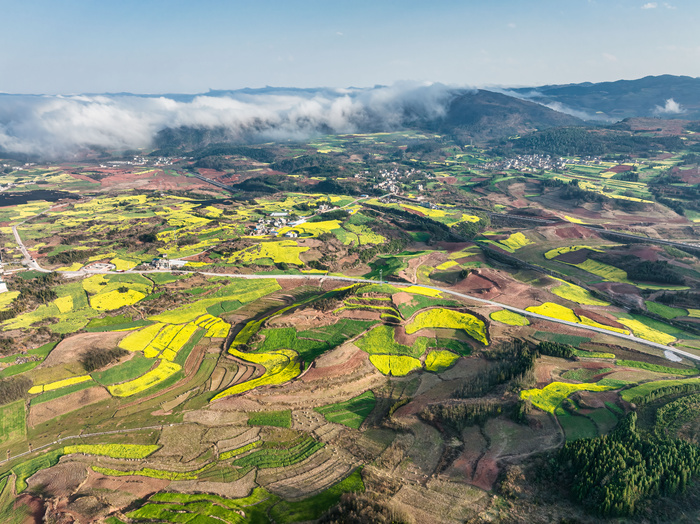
[
  {"x": 205, "y": 508},
  {"x": 551, "y": 396},
  {"x": 380, "y": 341},
  {"x": 439, "y": 361},
  {"x": 161, "y": 373},
  {"x": 12, "y": 422},
  {"x": 280, "y": 419},
  {"x": 509, "y": 317},
  {"x": 395, "y": 365},
  {"x": 276, "y": 455},
  {"x": 447, "y": 318},
  {"x": 577, "y": 294},
  {"x": 351, "y": 413}
]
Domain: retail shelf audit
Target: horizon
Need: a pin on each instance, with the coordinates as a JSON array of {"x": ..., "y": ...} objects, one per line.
[{"x": 486, "y": 87}]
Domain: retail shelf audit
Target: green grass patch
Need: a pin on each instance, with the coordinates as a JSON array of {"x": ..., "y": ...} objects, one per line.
[
  {"x": 666, "y": 312},
  {"x": 43, "y": 351},
  {"x": 280, "y": 419},
  {"x": 657, "y": 368},
  {"x": 129, "y": 370},
  {"x": 351, "y": 413},
  {"x": 380, "y": 341},
  {"x": 604, "y": 419},
  {"x": 592, "y": 354},
  {"x": 278, "y": 457},
  {"x": 576, "y": 426},
  {"x": 13, "y": 425},
  {"x": 57, "y": 393},
  {"x": 26, "y": 469},
  {"x": 456, "y": 346},
  {"x": 418, "y": 302},
  {"x": 16, "y": 369},
  {"x": 584, "y": 375}
]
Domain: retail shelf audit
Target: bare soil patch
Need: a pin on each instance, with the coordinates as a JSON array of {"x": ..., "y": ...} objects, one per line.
[
  {"x": 61, "y": 480},
  {"x": 40, "y": 413},
  {"x": 70, "y": 349},
  {"x": 352, "y": 364}
]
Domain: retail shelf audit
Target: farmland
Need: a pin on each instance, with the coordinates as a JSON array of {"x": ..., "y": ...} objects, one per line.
[{"x": 181, "y": 353}]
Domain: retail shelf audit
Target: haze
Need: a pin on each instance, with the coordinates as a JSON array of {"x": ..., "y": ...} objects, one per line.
[{"x": 156, "y": 46}]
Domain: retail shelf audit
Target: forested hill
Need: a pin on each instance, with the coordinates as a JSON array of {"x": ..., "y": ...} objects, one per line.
[{"x": 613, "y": 101}]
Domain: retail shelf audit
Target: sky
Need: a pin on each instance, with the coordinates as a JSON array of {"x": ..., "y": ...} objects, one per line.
[{"x": 178, "y": 46}]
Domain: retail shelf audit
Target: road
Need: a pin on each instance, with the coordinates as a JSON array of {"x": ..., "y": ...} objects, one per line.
[{"x": 31, "y": 263}]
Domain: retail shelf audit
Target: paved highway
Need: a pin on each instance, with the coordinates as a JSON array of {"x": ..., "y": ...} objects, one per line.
[{"x": 31, "y": 263}]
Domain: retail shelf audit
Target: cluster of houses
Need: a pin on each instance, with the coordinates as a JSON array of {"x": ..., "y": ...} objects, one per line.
[
  {"x": 527, "y": 163},
  {"x": 391, "y": 178},
  {"x": 166, "y": 263},
  {"x": 271, "y": 225},
  {"x": 140, "y": 161}
]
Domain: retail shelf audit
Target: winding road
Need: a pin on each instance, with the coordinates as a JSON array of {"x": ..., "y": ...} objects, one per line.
[{"x": 32, "y": 264}]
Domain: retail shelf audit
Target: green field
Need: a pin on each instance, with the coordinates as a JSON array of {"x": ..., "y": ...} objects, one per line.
[
  {"x": 280, "y": 419},
  {"x": 351, "y": 413}
]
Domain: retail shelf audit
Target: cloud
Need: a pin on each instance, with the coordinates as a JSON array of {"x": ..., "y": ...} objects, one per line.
[
  {"x": 669, "y": 6},
  {"x": 671, "y": 108},
  {"x": 610, "y": 57},
  {"x": 61, "y": 126},
  {"x": 512, "y": 25},
  {"x": 650, "y": 5}
]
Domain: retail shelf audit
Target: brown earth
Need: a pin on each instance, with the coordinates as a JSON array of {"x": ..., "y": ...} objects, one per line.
[
  {"x": 346, "y": 362},
  {"x": 61, "y": 480},
  {"x": 600, "y": 318},
  {"x": 574, "y": 257},
  {"x": 70, "y": 349},
  {"x": 40, "y": 413}
]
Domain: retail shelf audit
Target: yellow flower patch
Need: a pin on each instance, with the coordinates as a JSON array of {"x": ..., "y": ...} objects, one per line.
[
  {"x": 114, "y": 299},
  {"x": 447, "y": 318},
  {"x": 420, "y": 290},
  {"x": 551, "y": 396},
  {"x": 647, "y": 333},
  {"x": 395, "y": 365},
  {"x": 126, "y": 451},
  {"x": 550, "y": 309},
  {"x": 577, "y": 294},
  {"x": 165, "y": 370},
  {"x": 508, "y": 317},
  {"x": 139, "y": 340},
  {"x": 280, "y": 366},
  {"x": 64, "y": 304},
  {"x": 440, "y": 360},
  {"x": 123, "y": 265},
  {"x": 59, "y": 384}
]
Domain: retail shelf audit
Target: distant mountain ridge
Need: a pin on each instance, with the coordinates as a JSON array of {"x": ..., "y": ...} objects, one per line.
[{"x": 664, "y": 96}]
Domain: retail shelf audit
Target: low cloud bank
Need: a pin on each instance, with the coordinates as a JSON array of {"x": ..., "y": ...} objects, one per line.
[{"x": 63, "y": 126}]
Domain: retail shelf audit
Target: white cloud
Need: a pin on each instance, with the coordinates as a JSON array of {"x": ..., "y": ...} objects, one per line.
[
  {"x": 650, "y": 5},
  {"x": 671, "y": 108},
  {"x": 59, "y": 126},
  {"x": 610, "y": 57},
  {"x": 512, "y": 25},
  {"x": 669, "y": 6}
]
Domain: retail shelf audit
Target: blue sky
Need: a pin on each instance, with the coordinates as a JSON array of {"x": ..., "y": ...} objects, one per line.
[{"x": 175, "y": 46}]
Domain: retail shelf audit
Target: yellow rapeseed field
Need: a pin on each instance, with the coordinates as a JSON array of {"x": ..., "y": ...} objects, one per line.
[
  {"x": 647, "y": 333},
  {"x": 139, "y": 340},
  {"x": 164, "y": 370},
  {"x": 551, "y": 396},
  {"x": 440, "y": 360},
  {"x": 508, "y": 317},
  {"x": 64, "y": 304},
  {"x": 447, "y": 318},
  {"x": 550, "y": 309},
  {"x": 577, "y": 294},
  {"x": 396, "y": 365},
  {"x": 59, "y": 384},
  {"x": 114, "y": 299}
]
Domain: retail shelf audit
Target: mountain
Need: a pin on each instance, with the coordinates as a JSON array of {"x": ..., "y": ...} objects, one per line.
[
  {"x": 487, "y": 114},
  {"x": 477, "y": 115},
  {"x": 664, "y": 96}
]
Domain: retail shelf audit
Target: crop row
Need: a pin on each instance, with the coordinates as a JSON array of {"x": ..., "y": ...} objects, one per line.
[
  {"x": 278, "y": 458},
  {"x": 164, "y": 370},
  {"x": 551, "y": 396}
]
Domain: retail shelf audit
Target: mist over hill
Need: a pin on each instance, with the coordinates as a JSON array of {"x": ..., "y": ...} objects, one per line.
[
  {"x": 664, "y": 96},
  {"x": 66, "y": 126},
  {"x": 63, "y": 126}
]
